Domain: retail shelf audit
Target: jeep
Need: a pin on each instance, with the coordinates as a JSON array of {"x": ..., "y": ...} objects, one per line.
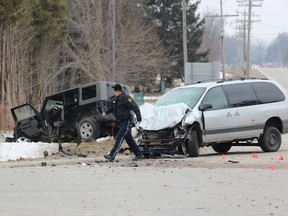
[
  {"x": 69, "y": 115},
  {"x": 221, "y": 114}
]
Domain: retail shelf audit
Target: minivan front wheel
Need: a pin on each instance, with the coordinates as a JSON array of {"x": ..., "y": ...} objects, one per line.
[
  {"x": 193, "y": 144},
  {"x": 88, "y": 129},
  {"x": 270, "y": 141}
]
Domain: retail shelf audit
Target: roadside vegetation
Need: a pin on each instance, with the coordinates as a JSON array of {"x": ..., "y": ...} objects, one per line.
[{"x": 47, "y": 46}]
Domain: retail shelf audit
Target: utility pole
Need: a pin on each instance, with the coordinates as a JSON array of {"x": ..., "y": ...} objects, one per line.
[
  {"x": 112, "y": 40},
  {"x": 242, "y": 37},
  {"x": 222, "y": 40},
  {"x": 248, "y": 39},
  {"x": 250, "y": 5},
  {"x": 185, "y": 57}
]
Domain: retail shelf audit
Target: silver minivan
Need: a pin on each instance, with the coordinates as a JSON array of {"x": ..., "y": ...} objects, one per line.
[{"x": 220, "y": 114}]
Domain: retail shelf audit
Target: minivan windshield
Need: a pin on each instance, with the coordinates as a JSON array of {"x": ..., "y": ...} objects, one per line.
[{"x": 189, "y": 96}]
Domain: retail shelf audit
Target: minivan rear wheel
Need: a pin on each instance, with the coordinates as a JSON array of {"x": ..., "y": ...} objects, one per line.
[
  {"x": 193, "y": 144},
  {"x": 270, "y": 141},
  {"x": 88, "y": 129},
  {"x": 221, "y": 147}
]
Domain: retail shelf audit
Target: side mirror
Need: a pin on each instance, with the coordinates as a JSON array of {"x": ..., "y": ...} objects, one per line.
[{"x": 205, "y": 107}]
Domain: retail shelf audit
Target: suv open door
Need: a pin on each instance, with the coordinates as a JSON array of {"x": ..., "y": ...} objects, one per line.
[{"x": 29, "y": 123}]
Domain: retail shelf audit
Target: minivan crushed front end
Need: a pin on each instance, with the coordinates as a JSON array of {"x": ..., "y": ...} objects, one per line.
[{"x": 163, "y": 130}]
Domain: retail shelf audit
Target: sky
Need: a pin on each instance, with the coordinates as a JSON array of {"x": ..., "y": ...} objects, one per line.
[{"x": 271, "y": 18}]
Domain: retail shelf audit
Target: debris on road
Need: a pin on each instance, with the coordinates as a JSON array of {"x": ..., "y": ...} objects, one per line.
[{"x": 233, "y": 161}]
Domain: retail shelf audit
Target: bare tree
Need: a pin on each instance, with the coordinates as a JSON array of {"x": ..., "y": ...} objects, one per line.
[
  {"x": 140, "y": 55},
  {"x": 211, "y": 40},
  {"x": 81, "y": 53},
  {"x": 31, "y": 66},
  {"x": 14, "y": 44},
  {"x": 86, "y": 55},
  {"x": 278, "y": 50}
]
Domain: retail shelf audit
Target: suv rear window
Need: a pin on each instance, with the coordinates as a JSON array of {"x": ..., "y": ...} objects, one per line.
[
  {"x": 268, "y": 92},
  {"x": 88, "y": 92}
]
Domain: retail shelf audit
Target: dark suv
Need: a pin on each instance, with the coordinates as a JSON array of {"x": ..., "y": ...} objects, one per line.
[{"x": 70, "y": 115}]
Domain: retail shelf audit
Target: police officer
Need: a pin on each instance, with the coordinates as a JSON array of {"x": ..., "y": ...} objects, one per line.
[{"x": 122, "y": 104}]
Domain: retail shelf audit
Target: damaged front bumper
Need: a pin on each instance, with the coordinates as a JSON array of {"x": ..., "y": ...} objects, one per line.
[{"x": 166, "y": 141}]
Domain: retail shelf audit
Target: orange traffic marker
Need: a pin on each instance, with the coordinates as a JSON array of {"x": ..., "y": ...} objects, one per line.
[
  {"x": 223, "y": 157},
  {"x": 273, "y": 167},
  {"x": 254, "y": 155},
  {"x": 281, "y": 157}
]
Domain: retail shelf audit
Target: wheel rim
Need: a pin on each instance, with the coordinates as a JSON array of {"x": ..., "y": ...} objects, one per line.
[
  {"x": 86, "y": 130},
  {"x": 272, "y": 140},
  {"x": 22, "y": 139}
]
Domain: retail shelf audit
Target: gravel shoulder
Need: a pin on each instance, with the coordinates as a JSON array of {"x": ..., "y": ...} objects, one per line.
[{"x": 91, "y": 154}]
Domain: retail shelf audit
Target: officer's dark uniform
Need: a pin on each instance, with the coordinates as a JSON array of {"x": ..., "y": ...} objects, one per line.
[{"x": 121, "y": 107}]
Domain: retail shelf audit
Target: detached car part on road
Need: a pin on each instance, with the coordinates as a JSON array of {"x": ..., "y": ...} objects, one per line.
[
  {"x": 70, "y": 115},
  {"x": 220, "y": 114}
]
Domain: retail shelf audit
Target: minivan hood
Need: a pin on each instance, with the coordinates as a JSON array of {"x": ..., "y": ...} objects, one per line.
[{"x": 160, "y": 117}]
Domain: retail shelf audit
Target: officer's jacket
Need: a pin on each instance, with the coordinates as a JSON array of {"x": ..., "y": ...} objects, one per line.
[{"x": 121, "y": 107}]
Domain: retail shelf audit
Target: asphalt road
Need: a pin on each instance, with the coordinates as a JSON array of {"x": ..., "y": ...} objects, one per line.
[
  {"x": 242, "y": 182},
  {"x": 278, "y": 74},
  {"x": 245, "y": 181}
]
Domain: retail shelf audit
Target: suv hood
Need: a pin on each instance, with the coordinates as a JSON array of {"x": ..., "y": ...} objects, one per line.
[{"x": 160, "y": 117}]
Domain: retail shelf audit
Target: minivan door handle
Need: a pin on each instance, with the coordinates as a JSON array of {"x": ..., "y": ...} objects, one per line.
[
  {"x": 236, "y": 113},
  {"x": 228, "y": 114}
]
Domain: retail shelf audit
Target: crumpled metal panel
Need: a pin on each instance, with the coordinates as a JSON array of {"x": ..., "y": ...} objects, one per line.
[{"x": 161, "y": 117}]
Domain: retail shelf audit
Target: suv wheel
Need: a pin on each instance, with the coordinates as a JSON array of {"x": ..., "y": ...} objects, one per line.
[
  {"x": 88, "y": 129},
  {"x": 193, "y": 144},
  {"x": 270, "y": 141},
  {"x": 221, "y": 147},
  {"x": 23, "y": 139}
]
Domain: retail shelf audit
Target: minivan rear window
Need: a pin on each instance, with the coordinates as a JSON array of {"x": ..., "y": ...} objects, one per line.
[
  {"x": 241, "y": 94},
  {"x": 268, "y": 92}
]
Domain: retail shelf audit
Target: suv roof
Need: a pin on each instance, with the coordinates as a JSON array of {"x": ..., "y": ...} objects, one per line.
[{"x": 101, "y": 85}]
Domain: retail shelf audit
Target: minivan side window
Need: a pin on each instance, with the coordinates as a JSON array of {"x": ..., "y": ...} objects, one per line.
[
  {"x": 216, "y": 97},
  {"x": 241, "y": 94},
  {"x": 268, "y": 92}
]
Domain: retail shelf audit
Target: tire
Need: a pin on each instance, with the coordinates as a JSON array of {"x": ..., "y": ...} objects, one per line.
[
  {"x": 88, "y": 129},
  {"x": 221, "y": 147},
  {"x": 270, "y": 141},
  {"x": 146, "y": 155},
  {"x": 193, "y": 144}
]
